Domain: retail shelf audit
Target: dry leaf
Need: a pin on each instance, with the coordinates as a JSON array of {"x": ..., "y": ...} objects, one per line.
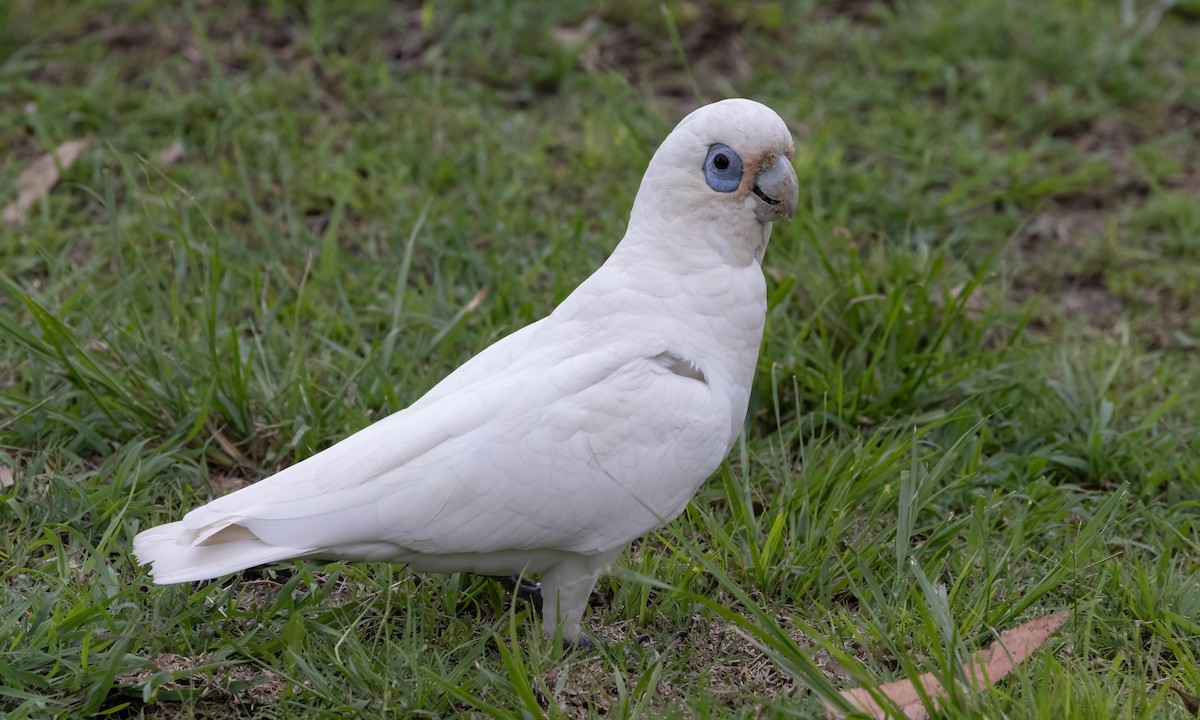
[
  {"x": 985, "y": 668},
  {"x": 228, "y": 446},
  {"x": 36, "y": 180},
  {"x": 6, "y": 478},
  {"x": 227, "y": 483},
  {"x": 570, "y": 38},
  {"x": 170, "y": 154},
  {"x": 476, "y": 299},
  {"x": 1190, "y": 701},
  {"x": 576, "y": 38}
]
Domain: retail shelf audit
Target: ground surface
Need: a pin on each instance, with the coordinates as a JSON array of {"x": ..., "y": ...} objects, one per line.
[{"x": 978, "y": 401}]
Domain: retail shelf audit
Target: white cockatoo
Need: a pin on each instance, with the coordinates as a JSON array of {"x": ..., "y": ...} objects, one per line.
[{"x": 553, "y": 449}]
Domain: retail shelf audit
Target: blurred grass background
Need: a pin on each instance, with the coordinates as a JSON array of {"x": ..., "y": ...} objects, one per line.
[{"x": 976, "y": 402}]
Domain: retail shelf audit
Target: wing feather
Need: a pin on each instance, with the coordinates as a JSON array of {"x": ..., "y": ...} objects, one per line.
[{"x": 566, "y": 449}]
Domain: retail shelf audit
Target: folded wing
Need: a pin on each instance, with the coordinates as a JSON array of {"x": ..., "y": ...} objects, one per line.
[{"x": 575, "y": 446}]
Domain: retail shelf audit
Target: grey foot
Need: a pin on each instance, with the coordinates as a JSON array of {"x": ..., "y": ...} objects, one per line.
[
  {"x": 581, "y": 644},
  {"x": 530, "y": 591},
  {"x": 523, "y": 588}
]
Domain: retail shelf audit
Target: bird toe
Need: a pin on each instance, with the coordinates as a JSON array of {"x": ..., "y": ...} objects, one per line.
[{"x": 582, "y": 644}]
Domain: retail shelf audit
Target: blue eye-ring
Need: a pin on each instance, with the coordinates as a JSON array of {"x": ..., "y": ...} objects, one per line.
[{"x": 722, "y": 168}]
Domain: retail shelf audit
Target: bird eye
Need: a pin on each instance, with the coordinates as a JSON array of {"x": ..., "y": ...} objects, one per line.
[{"x": 723, "y": 168}]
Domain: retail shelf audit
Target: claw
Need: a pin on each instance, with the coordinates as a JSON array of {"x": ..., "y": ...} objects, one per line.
[
  {"x": 581, "y": 644},
  {"x": 523, "y": 588}
]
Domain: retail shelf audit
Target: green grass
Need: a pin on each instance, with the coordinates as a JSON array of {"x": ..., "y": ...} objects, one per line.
[{"x": 978, "y": 400}]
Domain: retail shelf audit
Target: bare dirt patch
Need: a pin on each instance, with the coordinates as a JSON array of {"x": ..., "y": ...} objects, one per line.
[
  {"x": 859, "y": 12},
  {"x": 1074, "y": 250},
  {"x": 1061, "y": 225},
  {"x": 193, "y": 677},
  {"x": 711, "y": 37},
  {"x": 721, "y": 657}
]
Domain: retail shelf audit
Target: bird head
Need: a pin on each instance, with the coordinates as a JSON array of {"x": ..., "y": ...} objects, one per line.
[{"x": 722, "y": 176}]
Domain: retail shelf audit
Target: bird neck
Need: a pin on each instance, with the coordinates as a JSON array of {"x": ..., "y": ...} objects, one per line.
[
  {"x": 709, "y": 307},
  {"x": 685, "y": 245}
]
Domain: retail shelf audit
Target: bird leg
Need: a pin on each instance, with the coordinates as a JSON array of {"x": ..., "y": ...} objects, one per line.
[
  {"x": 531, "y": 592},
  {"x": 566, "y": 589}
]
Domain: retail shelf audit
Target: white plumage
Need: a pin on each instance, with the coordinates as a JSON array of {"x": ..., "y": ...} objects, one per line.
[{"x": 551, "y": 450}]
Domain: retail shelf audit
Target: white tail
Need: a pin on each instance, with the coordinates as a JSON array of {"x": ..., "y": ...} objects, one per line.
[{"x": 173, "y": 559}]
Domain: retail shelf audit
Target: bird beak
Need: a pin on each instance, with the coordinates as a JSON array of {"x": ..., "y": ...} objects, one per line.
[{"x": 777, "y": 190}]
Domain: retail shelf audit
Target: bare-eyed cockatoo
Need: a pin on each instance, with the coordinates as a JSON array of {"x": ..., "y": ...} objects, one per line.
[{"x": 553, "y": 449}]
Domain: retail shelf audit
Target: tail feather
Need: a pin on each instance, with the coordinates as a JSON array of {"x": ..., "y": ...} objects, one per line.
[{"x": 173, "y": 559}]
